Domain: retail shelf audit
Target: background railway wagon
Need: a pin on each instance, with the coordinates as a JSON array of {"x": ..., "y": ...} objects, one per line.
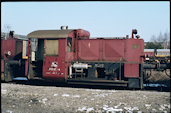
[
  {"x": 163, "y": 52},
  {"x": 159, "y": 52},
  {"x": 149, "y": 52},
  {"x": 13, "y": 57}
]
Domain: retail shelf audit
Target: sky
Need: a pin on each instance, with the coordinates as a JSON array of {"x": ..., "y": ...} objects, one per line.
[{"x": 101, "y": 19}]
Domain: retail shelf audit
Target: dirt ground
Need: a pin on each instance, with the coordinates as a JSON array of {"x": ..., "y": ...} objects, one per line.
[
  {"x": 158, "y": 77},
  {"x": 19, "y": 98}
]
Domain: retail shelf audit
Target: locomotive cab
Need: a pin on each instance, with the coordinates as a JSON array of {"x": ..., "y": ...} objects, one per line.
[{"x": 50, "y": 52}]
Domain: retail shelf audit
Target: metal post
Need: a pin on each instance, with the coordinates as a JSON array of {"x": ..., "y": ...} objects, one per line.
[
  {"x": 141, "y": 76},
  {"x": 70, "y": 71},
  {"x": 120, "y": 69}
]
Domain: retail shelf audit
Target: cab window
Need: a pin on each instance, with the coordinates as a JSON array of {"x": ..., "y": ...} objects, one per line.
[
  {"x": 51, "y": 47},
  {"x": 69, "y": 44}
]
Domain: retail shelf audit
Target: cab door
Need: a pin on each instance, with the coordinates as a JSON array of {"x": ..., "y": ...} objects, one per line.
[{"x": 53, "y": 59}]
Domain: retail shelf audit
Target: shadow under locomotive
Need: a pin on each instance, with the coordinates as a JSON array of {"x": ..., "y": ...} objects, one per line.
[{"x": 40, "y": 82}]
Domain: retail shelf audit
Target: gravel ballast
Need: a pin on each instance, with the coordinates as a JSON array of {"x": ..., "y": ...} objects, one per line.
[{"x": 19, "y": 98}]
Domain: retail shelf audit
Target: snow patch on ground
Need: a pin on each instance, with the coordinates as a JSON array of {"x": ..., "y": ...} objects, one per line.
[
  {"x": 113, "y": 91},
  {"x": 131, "y": 109},
  {"x": 148, "y": 106},
  {"x": 76, "y": 96},
  {"x": 82, "y": 109},
  {"x": 145, "y": 97},
  {"x": 92, "y": 99},
  {"x": 117, "y": 109},
  {"x": 119, "y": 105},
  {"x": 65, "y": 95},
  {"x": 55, "y": 94},
  {"x": 3, "y": 91},
  {"x": 43, "y": 100},
  {"x": 111, "y": 109},
  {"x": 102, "y": 95},
  {"x": 154, "y": 85},
  {"x": 98, "y": 90},
  {"x": 163, "y": 107},
  {"x": 167, "y": 105},
  {"x": 9, "y": 111},
  {"x": 89, "y": 109}
]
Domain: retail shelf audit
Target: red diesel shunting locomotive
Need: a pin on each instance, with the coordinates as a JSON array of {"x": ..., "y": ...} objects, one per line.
[
  {"x": 13, "y": 57},
  {"x": 69, "y": 55}
]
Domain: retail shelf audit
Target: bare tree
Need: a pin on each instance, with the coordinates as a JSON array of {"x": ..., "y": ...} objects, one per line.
[
  {"x": 169, "y": 41},
  {"x": 153, "y": 39},
  {"x": 160, "y": 37},
  {"x": 163, "y": 39},
  {"x": 7, "y": 29}
]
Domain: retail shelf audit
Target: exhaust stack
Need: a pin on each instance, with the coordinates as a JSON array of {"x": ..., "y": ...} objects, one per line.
[{"x": 64, "y": 27}]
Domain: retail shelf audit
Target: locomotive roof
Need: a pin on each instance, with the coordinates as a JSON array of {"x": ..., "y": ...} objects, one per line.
[{"x": 49, "y": 33}]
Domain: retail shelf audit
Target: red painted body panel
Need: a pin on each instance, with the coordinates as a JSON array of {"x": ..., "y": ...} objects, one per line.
[
  {"x": 27, "y": 61},
  {"x": 131, "y": 70},
  {"x": 12, "y": 45},
  {"x": 2, "y": 66},
  {"x": 26, "y": 67},
  {"x": 113, "y": 49},
  {"x": 134, "y": 49},
  {"x": 59, "y": 71},
  {"x": 69, "y": 56},
  {"x": 83, "y": 34},
  {"x": 89, "y": 49},
  {"x": 53, "y": 72},
  {"x": 101, "y": 49},
  {"x": 8, "y": 45}
]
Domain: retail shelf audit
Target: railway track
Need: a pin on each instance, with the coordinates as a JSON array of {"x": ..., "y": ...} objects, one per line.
[{"x": 147, "y": 87}]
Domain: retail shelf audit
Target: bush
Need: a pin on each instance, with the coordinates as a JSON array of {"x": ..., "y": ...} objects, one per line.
[{"x": 151, "y": 45}]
